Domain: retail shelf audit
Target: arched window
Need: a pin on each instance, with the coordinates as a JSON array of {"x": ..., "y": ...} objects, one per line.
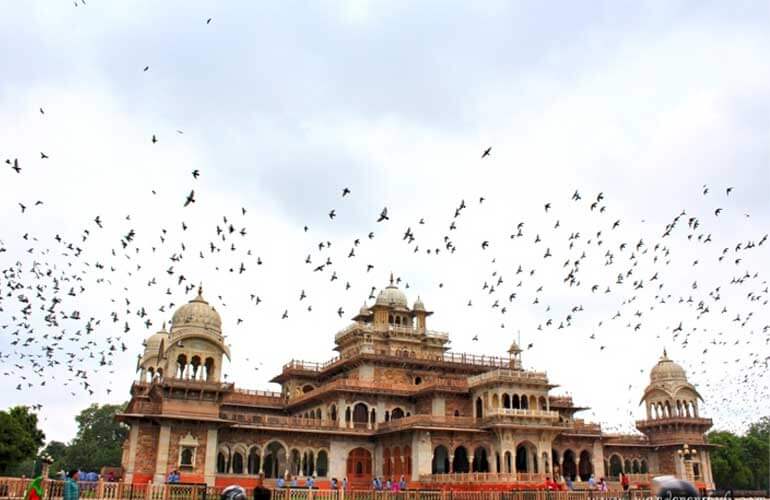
[
  {"x": 386, "y": 463},
  {"x": 515, "y": 402},
  {"x": 479, "y": 408},
  {"x": 308, "y": 463},
  {"x": 508, "y": 462},
  {"x": 275, "y": 460},
  {"x": 460, "y": 463},
  {"x": 635, "y": 466},
  {"x": 221, "y": 463},
  {"x": 495, "y": 401},
  {"x": 360, "y": 415},
  {"x": 569, "y": 467},
  {"x": 333, "y": 413},
  {"x": 627, "y": 466},
  {"x": 457, "y": 413},
  {"x": 480, "y": 460},
  {"x": 543, "y": 403},
  {"x": 295, "y": 462},
  {"x": 209, "y": 366},
  {"x": 396, "y": 414},
  {"x": 407, "y": 461},
  {"x": 347, "y": 414},
  {"x": 187, "y": 457},
  {"x": 417, "y": 380},
  {"x": 506, "y": 401},
  {"x": 254, "y": 461},
  {"x": 237, "y": 463},
  {"x": 616, "y": 466},
  {"x": 440, "y": 463},
  {"x": 643, "y": 467},
  {"x": 307, "y": 388},
  {"x": 181, "y": 366},
  {"x": 524, "y": 402},
  {"x": 585, "y": 466},
  {"x": 195, "y": 366},
  {"x": 373, "y": 416},
  {"x": 322, "y": 464}
]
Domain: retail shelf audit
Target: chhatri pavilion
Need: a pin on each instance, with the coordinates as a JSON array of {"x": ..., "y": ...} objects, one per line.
[{"x": 394, "y": 401}]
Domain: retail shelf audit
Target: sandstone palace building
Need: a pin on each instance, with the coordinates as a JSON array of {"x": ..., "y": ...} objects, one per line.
[{"x": 394, "y": 401}]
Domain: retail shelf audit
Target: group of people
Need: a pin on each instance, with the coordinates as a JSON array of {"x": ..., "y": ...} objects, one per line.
[
  {"x": 173, "y": 477},
  {"x": 565, "y": 483},
  {"x": 293, "y": 482},
  {"x": 389, "y": 485}
]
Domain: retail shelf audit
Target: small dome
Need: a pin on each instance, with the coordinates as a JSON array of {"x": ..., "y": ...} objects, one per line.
[
  {"x": 152, "y": 345},
  {"x": 197, "y": 313},
  {"x": 667, "y": 370},
  {"x": 364, "y": 310},
  {"x": 391, "y": 296},
  {"x": 418, "y": 305}
]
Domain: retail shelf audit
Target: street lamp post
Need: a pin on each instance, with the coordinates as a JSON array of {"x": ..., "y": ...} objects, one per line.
[{"x": 687, "y": 454}]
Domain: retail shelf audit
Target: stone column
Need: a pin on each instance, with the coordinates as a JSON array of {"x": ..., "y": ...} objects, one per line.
[
  {"x": 451, "y": 463},
  {"x": 597, "y": 460},
  {"x": 133, "y": 437},
  {"x": 161, "y": 462},
  {"x": 210, "y": 466},
  {"x": 262, "y": 461},
  {"x": 470, "y": 463}
]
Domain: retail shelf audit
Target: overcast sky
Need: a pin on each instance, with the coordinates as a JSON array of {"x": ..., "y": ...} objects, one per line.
[{"x": 280, "y": 105}]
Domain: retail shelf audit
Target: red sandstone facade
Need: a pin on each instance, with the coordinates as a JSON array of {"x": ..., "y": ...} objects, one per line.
[{"x": 394, "y": 402}]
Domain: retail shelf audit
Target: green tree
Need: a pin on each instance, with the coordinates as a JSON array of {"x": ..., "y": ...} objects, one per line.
[
  {"x": 728, "y": 461},
  {"x": 756, "y": 445},
  {"x": 20, "y": 438},
  {"x": 99, "y": 441}
]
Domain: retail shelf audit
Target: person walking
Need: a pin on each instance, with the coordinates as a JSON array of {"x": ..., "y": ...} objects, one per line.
[
  {"x": 345, "y": 483},
  {"x": 624, "y": 481},
  {"x": 402, "y": 483},
  {"x": 71, "y": 489}
]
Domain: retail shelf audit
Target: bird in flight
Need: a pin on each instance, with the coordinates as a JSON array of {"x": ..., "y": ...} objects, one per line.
[
  {"x": 383, "y": 215},
  {"x": 332, "y": 214},
  {"x": 154, "y": 139},
  {"x": 487, "y": 152},
  {"x": 146, "y": 68},
  {"x": 196, "y": 173},
  {"x": 43, "y": 156},
  {"x": 208, "y": 21},
  {"x": 345, "y": 192},
  {"x": 190, "y": 198}
]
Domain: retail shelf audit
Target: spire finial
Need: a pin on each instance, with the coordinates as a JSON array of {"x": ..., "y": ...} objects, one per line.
[
  {"x": 164, "y": 326},
  {"x": 391, "y": 278},
  {"x": 665, "y": 356},
  {"x": 200, "y": 289}
]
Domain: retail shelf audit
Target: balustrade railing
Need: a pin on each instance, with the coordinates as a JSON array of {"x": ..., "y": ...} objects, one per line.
[
  {"x": 447, "y": 357},
  {"x": 507, "y": 375},
  {"x": 523, "y": 413},
  {"x": 15, "y": 488},
  {"x": 406, "y": 330}
]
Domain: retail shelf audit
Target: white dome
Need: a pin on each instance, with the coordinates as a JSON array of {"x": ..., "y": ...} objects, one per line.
[
  {"x": 391, "y": 296},
  {"x": 667, "y": 371},
  {"x": 197, "y": 313}
]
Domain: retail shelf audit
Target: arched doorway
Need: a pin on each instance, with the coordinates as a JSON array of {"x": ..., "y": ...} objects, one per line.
[
  {"x": 360, "y": 415},
  {"x": 569, "y": 467},
  {"x": 359, "y": 468},
  {"x": 585, "y": 468},
  {"x": 440, "y": 460},
  {"x": 275, "y": 460},
  {"x": 616, "y": 466},
  {"x": 526, "y": 457},
  {"x": 460, "y": 462},
  {"x": 480, "y": 460}
]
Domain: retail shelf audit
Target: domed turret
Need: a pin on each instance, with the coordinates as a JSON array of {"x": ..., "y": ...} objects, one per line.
[
  {"x": 418, "y": 305},
  {"x": 667, "y": 370},
  {"x": 197, "y": 313},
  {"x": 669, "y": 393},
  {"x": 151, "y": 362},
  {"x": 391, "y": 296}
]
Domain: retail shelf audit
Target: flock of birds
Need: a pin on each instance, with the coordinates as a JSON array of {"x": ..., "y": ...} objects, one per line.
[{"x": 49, "y": 280}]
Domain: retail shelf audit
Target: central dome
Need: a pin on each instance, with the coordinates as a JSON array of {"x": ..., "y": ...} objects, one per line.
[
  {"x": 667, "y": 370},
  {"x": 197, "y": 313},
  {"x": 391, "y": 296}
]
